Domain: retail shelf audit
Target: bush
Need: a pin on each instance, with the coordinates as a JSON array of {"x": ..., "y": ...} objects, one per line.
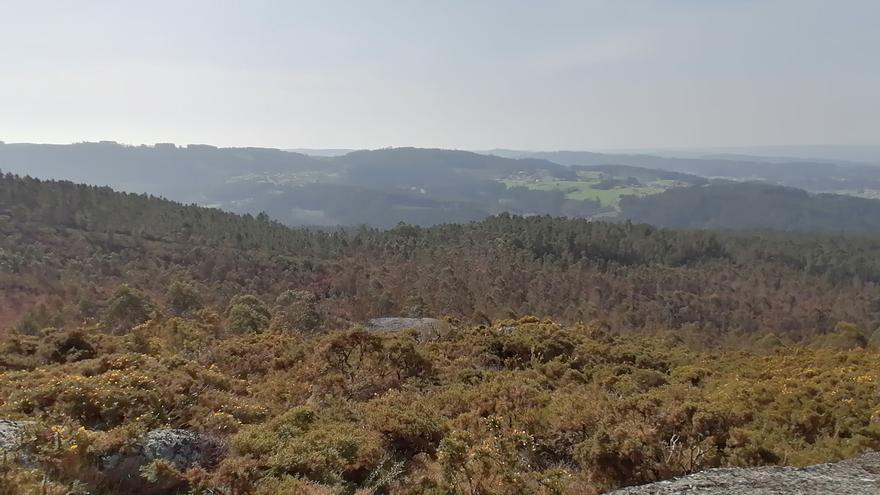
[
  {"x": 247, "y": 314},
  {"x": 126, "y": 308},
  {"x": 570, "y": 409},
  {"x": 296, "y": 310},
  {"x": 408, "y": 424},
  {"x": 299, "y": 442},
  {"x": 59, "y": 346},
  {"x": 183, "y": 298}
]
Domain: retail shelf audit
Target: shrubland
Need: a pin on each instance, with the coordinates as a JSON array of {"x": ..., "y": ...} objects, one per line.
[
  {"x": 654, "y": 353},
  {"x": 520, "y": 406}
]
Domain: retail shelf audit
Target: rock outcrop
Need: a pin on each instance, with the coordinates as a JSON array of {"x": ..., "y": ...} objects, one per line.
[
  {"x": 858, "y": 476},
  {"x": 183, "y": 449},
  {"x": 11, "y": 433},
  {"x": 427, "y": 328}
]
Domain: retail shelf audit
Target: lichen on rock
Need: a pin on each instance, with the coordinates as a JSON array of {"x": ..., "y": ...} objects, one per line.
[{"x": 857, "y": 476}]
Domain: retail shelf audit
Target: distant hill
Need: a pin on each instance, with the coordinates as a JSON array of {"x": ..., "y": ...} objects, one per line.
[
  {"x": 379, "y": 187},
  {"x": 753, "y": 206},
  {"x": 832, "y": 153},
  {"x": 324, "y": 152},
  {"x": 396, "y": 160},
  {"x": 421, "y": 186},
  {"x": 182, "y": 173},
  {"x": 812, "y": 175}
]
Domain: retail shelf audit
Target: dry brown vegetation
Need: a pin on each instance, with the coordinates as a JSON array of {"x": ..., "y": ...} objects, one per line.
[{"x": 658, "y": 353}]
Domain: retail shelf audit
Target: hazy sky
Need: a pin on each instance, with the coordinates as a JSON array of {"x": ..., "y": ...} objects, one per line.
[{"x": 457, "y": 74}]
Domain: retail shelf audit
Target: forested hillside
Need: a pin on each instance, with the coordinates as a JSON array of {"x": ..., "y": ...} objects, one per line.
[
  {"x": 236, "y": 343},
  {"x": 378, "y": 188},
  {"x": 811, "y": 175},
  {"x": 418, "y": 186},
  {"x": 67, "y": 247},
  {"x": 754, "y": 206},
  {"x": 183, "y": 173}
]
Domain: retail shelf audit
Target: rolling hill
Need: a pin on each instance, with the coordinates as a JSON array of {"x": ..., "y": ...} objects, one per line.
[
  {"x": 419, "y": 186},
  {"x": 729, "y": 205},
  {"x": 811, "y": 175}
]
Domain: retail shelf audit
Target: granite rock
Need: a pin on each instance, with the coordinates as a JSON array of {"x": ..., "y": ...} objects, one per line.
[{"x": 857, "y": 476}]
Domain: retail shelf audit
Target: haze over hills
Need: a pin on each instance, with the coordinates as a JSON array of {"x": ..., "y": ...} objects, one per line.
[
  {"x": 322, "y": 151},
  {"x": 420, "y": 186},
  {"x": 812, "y": 175},
  {"x": 840, "y": 153}
]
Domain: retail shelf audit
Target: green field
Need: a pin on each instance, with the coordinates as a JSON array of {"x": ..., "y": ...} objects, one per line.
[
  {"x": 583, "y": 189},
  {"x": 862, "y": 193}
]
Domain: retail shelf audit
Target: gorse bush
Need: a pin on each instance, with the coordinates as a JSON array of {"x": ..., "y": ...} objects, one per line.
[{"x": 522, "y": 406}]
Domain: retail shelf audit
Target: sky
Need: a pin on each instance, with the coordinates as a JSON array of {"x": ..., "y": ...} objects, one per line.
[{"x": 463, "y": 74}]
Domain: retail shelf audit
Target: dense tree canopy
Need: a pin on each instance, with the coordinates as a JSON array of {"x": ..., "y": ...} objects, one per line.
[
  {"x": 66, "y": 248},
  {"x": 754, "y": 206}
]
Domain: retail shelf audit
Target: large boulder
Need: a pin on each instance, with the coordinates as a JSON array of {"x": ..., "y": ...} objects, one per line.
[
  {"x": 12, "y": 435},
  {"x": 427, "y": 328},
  {"x": 858, "y": 476},
  {"x": 183, "y": 449}
]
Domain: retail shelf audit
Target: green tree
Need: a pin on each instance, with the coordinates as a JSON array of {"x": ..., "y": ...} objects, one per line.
[
  {"x": 296, "y": 310},
  {"x": 247, "y": 313},
  {"x": 126, "y": 308},
  {"x": 183, "y": 298}
]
